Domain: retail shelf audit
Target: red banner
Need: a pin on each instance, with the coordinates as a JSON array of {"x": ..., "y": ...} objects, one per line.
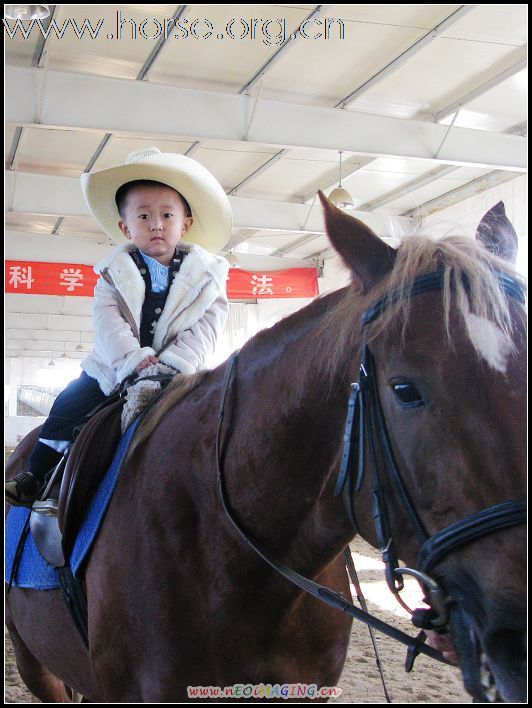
[
  {"x": 295, "y": 282},
  {"x": 32, "y": 278}
]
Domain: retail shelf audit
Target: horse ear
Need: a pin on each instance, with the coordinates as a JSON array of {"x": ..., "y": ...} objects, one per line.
[
  {"x": 364, "y": 253},
  {"x": 497, "y": 234}
]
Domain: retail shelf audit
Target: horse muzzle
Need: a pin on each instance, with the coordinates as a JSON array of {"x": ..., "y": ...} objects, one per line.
[{"x": 492, "y": 659}]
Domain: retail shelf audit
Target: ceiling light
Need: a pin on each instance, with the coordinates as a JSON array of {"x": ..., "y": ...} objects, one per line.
[
  {"x": 232, "y": 259},
  {"x": 64, "y": 356},
  {"x": 26, "y": 12},
  {"x": 79, "y": 347},
  {"x": 51, "y": 363},
  {"x": 340, "y": 197}
]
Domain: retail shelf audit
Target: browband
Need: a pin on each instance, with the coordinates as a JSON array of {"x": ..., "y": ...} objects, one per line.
[{"x": 434, "y": 281}]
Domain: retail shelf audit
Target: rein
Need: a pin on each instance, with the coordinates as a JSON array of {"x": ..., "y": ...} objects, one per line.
[
  {"x": 366, "y": 416},
  {"x": 320, "y": 592}
]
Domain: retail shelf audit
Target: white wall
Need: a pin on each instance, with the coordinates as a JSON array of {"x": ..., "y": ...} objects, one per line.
[
  {"x": 20, "y": 371},
  {"x": 16, "y": 427}
]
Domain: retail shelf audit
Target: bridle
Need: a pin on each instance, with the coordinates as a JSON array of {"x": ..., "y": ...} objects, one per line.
[{"x": 365, "y": 415}]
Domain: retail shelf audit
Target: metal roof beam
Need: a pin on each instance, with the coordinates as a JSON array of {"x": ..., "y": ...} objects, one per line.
[
  {"x": 42, "y": 42},
  {"x": 516, "y": 66},
  {"x": 410, "y": 186},
  {"x": 258, "y": 171},
  {"x": 471, "y": 189},
  {"x": 150, "y": 61},
  {"x": 79, "y": 101},
  {"x": 320, "y": 9},
  {"x": 392, "y": 66},
  {"x": 34, "y": 193},
  {"x": 101, "y": 147},
  {"x": 425, "y": 179},
  {"x": 479, "y": 90},
  {"x": 10, "y": 160},
  {"x": 290, "y": 42},
  {"x": 433, "y": 175},
  {"x": 518, "y": 129}
]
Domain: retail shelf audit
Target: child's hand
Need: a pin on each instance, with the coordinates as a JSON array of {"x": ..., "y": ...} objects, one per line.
[{"x": 148, "y": 361}]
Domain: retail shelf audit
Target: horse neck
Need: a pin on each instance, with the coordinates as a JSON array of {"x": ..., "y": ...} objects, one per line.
[
  {"x": 291, "y": 407},
  {"x": 308, "y": 357}
]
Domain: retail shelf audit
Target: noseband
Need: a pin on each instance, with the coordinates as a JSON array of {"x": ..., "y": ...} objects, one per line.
[
  {"x": 366, "y": 429},
  {"x": 365, "y": 415}
]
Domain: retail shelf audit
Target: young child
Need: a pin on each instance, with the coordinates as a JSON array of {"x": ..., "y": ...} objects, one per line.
[{"x": 158, "y": 298}]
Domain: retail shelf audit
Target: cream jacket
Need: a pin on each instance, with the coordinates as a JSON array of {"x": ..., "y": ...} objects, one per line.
[{"x": 189, "y": 326}]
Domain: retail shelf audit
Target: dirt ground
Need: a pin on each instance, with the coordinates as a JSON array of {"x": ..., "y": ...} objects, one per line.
[{"x": 429, "y": 682}]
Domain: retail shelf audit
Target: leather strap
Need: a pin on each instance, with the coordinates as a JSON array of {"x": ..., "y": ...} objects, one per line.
[
  {"x": 320, "y": 592},
  {"x": 434, "y": 281},
  {"x": 493, "y": 518}
]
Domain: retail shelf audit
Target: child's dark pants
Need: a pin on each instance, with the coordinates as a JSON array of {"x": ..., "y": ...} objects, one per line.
[{"x": 69, "y": 410}]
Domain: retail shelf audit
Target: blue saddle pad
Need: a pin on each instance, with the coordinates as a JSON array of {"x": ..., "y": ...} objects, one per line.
[{"x": 33, "y": 571}]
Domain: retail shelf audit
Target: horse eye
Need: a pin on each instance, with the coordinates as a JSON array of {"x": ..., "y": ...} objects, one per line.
[{"x": 408, "y": 395}]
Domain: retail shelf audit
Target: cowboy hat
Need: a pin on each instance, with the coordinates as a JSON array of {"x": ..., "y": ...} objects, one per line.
[{"x": 209, "y": 204}]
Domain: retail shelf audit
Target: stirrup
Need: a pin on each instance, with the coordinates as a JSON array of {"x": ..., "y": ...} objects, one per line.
[
  {"x": 47, "y": 502},
  {"x": 46, "y": 507}
]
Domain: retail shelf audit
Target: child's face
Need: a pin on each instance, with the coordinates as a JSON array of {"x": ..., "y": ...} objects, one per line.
[{"x": 154, "y": 219}]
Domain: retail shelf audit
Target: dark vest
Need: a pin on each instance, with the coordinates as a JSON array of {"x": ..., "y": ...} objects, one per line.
[{"x": 153, "y": 302}]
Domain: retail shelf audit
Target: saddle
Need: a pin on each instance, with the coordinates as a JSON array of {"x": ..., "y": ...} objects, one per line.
[
  {"x": 85, "y": 466},
  {"x": 88, "y": 460}
]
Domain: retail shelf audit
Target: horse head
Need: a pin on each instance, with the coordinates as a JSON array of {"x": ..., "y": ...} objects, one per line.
[{"x": 450, "y": 378}]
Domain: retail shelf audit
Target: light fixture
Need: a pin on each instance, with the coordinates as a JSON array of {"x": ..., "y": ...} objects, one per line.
[
  {"x": 51, "y": 362},
  {"x": 26, "y": 12},
  {"x": 79, "y": 347},
  {"x": 232, "y": 259},
  {"x": 64, "y": 355},
  {"x": 340, "y": 197}
]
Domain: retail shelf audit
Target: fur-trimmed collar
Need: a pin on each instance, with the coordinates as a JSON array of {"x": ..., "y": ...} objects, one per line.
[{"x": 116, "y": 262}]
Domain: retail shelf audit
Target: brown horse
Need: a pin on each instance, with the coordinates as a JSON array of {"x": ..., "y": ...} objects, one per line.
[{"x": 175, "y": 596}]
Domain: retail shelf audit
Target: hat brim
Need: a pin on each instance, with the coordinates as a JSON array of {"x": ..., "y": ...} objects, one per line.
[{"x": 211, "y": 210}]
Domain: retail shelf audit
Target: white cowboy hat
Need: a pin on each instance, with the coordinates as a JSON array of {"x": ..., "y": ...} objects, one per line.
[{"x": 210, "y": 206}]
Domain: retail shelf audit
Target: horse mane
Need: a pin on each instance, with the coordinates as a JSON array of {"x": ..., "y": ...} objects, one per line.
[
  {"x": 470, "y": 283},
  {"x": 462, "y": 260},
  {"x": 175, "y": 391}
]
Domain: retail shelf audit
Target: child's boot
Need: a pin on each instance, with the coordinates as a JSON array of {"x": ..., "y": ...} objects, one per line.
[{"x": 24, "y": 488}]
